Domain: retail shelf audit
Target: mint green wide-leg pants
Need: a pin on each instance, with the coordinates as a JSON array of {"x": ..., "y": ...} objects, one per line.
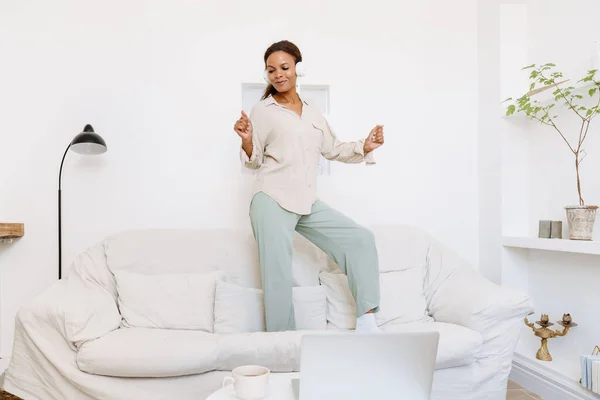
[{"x": 347, "y": 243}]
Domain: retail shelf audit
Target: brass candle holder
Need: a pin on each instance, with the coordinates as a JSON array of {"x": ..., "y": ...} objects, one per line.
[{"x": 545, "y": 333}]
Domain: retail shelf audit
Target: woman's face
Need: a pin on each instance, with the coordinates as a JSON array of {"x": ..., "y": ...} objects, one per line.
[{"x": 281, "y": 69}]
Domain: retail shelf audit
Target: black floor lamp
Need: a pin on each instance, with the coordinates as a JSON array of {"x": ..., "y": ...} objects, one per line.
[{"x": 87, "y": 142}]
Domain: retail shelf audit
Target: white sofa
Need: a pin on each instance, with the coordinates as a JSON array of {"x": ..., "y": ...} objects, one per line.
[{"x": 96, "y": 335}]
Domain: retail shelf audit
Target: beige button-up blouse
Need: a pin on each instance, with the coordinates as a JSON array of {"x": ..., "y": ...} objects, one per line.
[{"x": 286, "y": 149}]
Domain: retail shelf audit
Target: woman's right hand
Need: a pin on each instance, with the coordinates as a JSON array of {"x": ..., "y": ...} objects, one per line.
[{"x": 243, "y": 128}]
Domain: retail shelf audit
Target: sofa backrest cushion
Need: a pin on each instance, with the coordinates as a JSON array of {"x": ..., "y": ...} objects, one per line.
[
  {"x": 234, "y": 252},
  {"x": 156, "y": 251},
  {"x": 173, "y": 251}
]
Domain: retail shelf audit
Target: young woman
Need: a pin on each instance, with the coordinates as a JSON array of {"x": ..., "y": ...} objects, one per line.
[{"x": 284, "y": 138}]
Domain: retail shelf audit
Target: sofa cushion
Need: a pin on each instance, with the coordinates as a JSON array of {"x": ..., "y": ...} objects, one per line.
[
  {"x": 457, "y": 345},
  {"x": 172, "y": 301},
  {"x": 278, "y": 351},
  {"x": 141, "y": 352}
]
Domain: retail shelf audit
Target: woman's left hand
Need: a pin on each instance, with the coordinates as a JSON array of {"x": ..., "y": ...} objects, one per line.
[{"x": 374, "y": 140}]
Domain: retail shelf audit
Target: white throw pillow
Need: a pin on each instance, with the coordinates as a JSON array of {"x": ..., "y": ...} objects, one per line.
[
  {"x": 341, "y": 307},
  {"x": 168, "y": 301},
  {"x": 238, "y": 309},
  {"x": 310, "y": 307},
  {"x": 402, "y": 298}
]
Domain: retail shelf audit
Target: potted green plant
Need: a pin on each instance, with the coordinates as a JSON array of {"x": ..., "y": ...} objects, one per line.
[{"x": 580, "y": 217}]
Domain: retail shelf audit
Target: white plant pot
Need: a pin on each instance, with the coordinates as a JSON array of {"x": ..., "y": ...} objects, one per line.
[{"x": 581, "y": 221}]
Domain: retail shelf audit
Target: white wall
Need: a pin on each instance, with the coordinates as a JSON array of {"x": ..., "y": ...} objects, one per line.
[
  {"x": 160, "y": 81},
  {"x": 539, "y": 179}
]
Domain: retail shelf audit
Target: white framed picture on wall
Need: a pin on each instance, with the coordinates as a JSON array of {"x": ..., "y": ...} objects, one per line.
[{"x": 318, "y": 94}]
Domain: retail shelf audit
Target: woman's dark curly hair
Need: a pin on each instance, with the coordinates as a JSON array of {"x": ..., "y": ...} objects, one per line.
[{"x": 287, "y": 47}]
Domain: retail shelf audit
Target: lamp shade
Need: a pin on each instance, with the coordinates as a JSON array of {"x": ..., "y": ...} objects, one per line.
[{"x": 88, "y": 142}]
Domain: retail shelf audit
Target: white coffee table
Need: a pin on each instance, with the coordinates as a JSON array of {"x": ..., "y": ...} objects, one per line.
[{"x": 280, "y": 388}]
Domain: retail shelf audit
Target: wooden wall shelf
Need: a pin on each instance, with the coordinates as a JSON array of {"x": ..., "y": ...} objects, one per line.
[{"x": 10, "y": 231}]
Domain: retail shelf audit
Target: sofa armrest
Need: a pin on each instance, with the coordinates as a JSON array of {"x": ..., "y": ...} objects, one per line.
[
  {"x": 77, "y": 308},
  {"x": 468, "y": 299},
  {"x": 48, "y": 333}
]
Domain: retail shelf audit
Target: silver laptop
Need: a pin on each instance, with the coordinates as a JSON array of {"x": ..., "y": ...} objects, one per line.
[{"x": 354, "y": 366}]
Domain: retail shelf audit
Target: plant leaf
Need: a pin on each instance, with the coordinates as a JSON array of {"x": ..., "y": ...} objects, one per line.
[{"x": 592, "y": 91}]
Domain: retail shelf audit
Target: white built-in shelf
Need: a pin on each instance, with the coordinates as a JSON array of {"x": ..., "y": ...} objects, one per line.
[{"x": 564, "y": 245}]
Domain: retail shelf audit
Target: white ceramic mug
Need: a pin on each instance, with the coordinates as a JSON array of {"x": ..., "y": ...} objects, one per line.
[{"x": 250, "y": 382}]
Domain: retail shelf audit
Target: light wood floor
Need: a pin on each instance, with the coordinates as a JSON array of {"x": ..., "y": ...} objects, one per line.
[{"x": 516, "y": 392}]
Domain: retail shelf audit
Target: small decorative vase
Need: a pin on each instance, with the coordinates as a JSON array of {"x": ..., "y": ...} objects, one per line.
[
  {"x": 556, "y": 230},
  {"x": 581, "y": 221}
]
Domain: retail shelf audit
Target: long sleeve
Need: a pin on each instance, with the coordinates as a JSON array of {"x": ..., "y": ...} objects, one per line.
[
  {"x": 347, "y": 152},
  {"x": 256, "y": 159}
]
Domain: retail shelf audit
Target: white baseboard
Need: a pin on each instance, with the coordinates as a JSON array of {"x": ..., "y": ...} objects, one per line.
[{"x": 547, "y": 383}]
